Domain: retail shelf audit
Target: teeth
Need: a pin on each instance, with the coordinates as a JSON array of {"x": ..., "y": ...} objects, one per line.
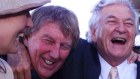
[
  {"x": 48, "y": 62},
  {"x": 119, "y": 40}
]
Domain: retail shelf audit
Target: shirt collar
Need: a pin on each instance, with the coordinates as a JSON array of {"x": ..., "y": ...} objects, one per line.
[
  {"x": 121, "y": 69},
  {"x": 105, "y": 68}
]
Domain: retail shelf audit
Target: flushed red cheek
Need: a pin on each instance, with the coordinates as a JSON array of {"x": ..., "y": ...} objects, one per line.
[
  {"x": 64, "y": 55},
  {"x": 42, "y": 48}
]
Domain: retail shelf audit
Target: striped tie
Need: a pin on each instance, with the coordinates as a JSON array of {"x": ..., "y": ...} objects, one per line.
[{"x": 113, "y": 73}]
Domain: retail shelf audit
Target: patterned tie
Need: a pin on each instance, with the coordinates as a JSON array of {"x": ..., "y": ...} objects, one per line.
[{"x": 113, "y": 73}]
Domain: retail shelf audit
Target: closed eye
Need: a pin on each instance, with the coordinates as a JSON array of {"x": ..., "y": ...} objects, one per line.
[
  {"x": 46, "y": 39},
  {"x": 111, "y": 22},
  {"x": 65, "y": 46},
  {"x": 129, "y": 24}
]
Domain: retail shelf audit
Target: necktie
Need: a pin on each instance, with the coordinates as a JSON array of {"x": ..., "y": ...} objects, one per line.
[{"x": 113, "y": 73}]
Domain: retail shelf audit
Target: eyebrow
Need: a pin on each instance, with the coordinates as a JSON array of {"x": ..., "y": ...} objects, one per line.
[
  {"x": 111, "y": 16},
  {"x": 45, "y": 35},
  {"x": 130, "y": 19}
]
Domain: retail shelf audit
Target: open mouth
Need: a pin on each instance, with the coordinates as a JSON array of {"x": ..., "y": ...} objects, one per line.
[
  {"x": 47, "y": 61},
  {"x": 118, "y": 40}
]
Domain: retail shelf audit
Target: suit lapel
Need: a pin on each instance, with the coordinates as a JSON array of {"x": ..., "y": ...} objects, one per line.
[
  {"x": 138, "y": 69},
  {"x": 92, "y": 66}
]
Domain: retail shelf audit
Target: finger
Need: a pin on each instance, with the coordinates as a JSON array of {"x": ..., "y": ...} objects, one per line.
[
  {"x": 134, "y": 58},
  {"x": 15, "y": 74},
  {"x": 138, "y": 57},
  {"x": 20, "y": 74},
  {"x": 130, "y": 58},
  {"x": 27, "y": 74}
]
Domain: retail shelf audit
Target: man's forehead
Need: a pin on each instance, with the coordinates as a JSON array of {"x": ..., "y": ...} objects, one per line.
[
  {"x": 115, "y": 7},
  {"x": 116, "y": 10}
]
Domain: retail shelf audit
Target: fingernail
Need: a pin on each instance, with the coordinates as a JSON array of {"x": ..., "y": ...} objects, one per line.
[
  {"x": 128, "y": 62},
  {"x": 138, "y": 59}
]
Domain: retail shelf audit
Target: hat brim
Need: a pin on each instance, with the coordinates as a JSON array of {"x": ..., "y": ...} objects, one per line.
[{"x": 14, "y": 6}]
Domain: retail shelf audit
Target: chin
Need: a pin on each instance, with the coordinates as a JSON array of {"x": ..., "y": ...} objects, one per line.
[{"x": 45, "y": 75}]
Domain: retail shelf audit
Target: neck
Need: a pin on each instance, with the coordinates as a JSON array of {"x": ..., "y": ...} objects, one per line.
[{"x": 113, "y": 61}]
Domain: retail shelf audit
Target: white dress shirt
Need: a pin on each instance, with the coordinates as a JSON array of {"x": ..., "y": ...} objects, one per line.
[
  {"x": 9, "y": 72},
  {"x": 125, "y": 70}
]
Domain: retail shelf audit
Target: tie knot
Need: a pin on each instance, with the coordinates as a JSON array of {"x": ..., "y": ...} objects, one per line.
[{"x": 113, "y": 73}]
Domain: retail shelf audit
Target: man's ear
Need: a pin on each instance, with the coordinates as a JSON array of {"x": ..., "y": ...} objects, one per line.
[
  {"x": 93, "y": 34},
  {"x": 26, "y": 42},
  {"x": 29, "y": 22}
]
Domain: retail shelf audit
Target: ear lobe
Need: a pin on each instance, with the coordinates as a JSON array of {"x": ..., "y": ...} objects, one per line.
[
  {"x": 93, "y": 34},
  {"x": 26, "y": 42}
]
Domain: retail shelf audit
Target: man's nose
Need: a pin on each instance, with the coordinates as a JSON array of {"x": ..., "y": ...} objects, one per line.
[
  {"x": 121, "y": 28},
  {"x": 55, "y": 52}
]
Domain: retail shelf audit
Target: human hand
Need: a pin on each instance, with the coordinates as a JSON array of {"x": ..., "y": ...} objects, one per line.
[
  {"x": 137, "y": 50},
  {"x": 20, "y": 63},
  {"x": 133, "y": 57},
  {"x": 138, "y": 57}
]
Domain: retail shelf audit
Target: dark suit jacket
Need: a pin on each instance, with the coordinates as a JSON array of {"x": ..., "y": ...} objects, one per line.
[
  {"x": 83, "y": 63},
  {"x": 34, "y": 74}
]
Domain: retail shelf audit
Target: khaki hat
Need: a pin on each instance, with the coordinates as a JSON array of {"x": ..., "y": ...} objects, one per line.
[{"x": 14, "y": 6}]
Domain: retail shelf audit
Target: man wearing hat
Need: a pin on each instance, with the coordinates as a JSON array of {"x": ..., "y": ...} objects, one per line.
[{"x": 14, "y": 17}]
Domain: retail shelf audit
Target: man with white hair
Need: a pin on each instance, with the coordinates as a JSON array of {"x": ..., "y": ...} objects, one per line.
[
  {"x": 113, "y": 27},
  {"x": 14, "y": 17}
]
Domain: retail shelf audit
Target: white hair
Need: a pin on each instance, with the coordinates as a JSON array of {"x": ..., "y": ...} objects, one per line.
[{"x": 95, "y": 17}]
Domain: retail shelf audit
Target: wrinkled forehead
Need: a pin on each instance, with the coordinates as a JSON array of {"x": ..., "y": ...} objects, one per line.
[
  {"x": 66, "y": 30},
  {"x": 118, "y": 10}
]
